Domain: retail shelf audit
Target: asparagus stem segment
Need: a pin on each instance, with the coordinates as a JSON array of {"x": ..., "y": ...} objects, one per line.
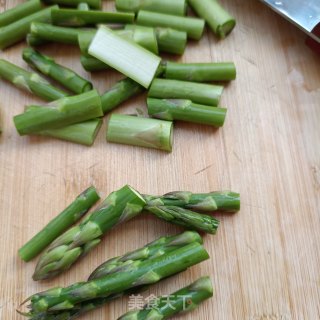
[
  {"x": 78, "y": 18},
  {"x": 94, "y": 4},
  {"x": 46, "y": 32},
  {"x": 83, "y": 133},
  {"x": 65, "y": 76},
  {"x": 20, "y": 11},
  {"x": 177, "y": 7},
  {"x": 118, "y": 207},
  {"x": 219, "y": 20},
  {"x": 183, "y": 300},
  {"x": 197, "y": 92},
  {"x": 119, "y": 93},
  {"x": 92, "y": 64},
  {"x": 171, "y": 41},
  {"x": 186, "y": 110},
  {"x": 194, "y": 27},
  {"x": 59, "y": 113},
  {"x": 83, "y": 6},
  {"x": 76, "y": 210},
  {"x": 17, "y": 31},
  {"x": 148, "y": 272},
  {"x": 225, "y": 201},
  {"x": 125, "y": 56},
  {"x": 185, "y": 218},
  {"x": 29, "y": 81},
  {"x": 143, "y": 132},
  {"x": 200, "y": 72}
]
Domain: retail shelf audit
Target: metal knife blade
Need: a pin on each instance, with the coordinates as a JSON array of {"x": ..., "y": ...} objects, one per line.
[{"x": 305, "y": 14}]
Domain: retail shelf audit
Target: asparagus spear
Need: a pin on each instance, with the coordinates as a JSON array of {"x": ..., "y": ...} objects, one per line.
[
  {"x": 20, "y": 11},
  {"x": 171, "y": 40},
  {"x": 29, "y": 81},
  {"x": 59, "y": 113},
  {"x": 186, "y": 110},
  {"x": 119, "y": 93},
  {"x": 118, "y": 207},
  {"x": 125, "y": 56},
  {"x": 77, "y": 209},
  {"x": 92, "y": 64},
  {"x": 143, "y": 132},
  {"x": 94, "y": 4},
  {"x": 148, "y": 272},
  {"x": 196, "y": 92},
  {"x": 200, "y": 72},
  {"x": 177, "y": 7},
  {"x": 226, "y": 201},
  {"x": 185, "y": 218},
  {"x": 194, "y": 27},
  {"x": 219, "y": 20},
  {"x": 66, "y": 77},
  {"x": 183, "y": 300},
  {"x": 83, "y": 133},
  {"x": 17, "y": 31},
  {"x": 78, "y": 18}
]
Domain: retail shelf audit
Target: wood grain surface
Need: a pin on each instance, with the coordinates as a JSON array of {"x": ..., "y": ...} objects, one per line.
[{"x": 265, "y": 259}]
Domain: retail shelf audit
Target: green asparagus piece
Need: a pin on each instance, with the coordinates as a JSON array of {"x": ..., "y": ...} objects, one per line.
[
  {"x": 118, "y": 207},
  {"x": 59, "y": 113},
  {"x": 200, "y": 72},
  {"x": 186, "y": 110},
  {"x": 226, "y": 201},
  {"x": 171, "y": 41},
  {"x": 219, "y": 20},
  {"x": 83, "y": 6},
  {"x": 34, "y": 41},
  {"x": 78, "y": 18},
  {"x": 185, "y": 218},
  {"x": 77, "y": 209},
  {"x": 94, "y": 4},
  {"x": 17, "y": 31},
  {"x": 20, "y": 11},
  {"x": 47, "y": 66},
  {"x": 143, "y": 132},
  {"x": 83, "y": 133},
  {"x": 177, "y": 7},
  {"x": 92, "y": 64},
  {"x": 206, "y": 94},
  {"x": 194, "y": 27},
  {"x": 29, "y": 81},
  {"x": 119, "y": 93},
  {"x": 148, "y": 272},
  {"x": 183, "y": 300}
]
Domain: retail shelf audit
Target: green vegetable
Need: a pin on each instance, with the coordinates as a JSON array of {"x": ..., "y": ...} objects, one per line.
[
  {"x": 92, "y": 64},
  {"x": 171, "y": 41},
  {"x": 94, "y": 4}
]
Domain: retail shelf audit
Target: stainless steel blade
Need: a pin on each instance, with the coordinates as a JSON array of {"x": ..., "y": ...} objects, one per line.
[{"x": 305, "y": 14}]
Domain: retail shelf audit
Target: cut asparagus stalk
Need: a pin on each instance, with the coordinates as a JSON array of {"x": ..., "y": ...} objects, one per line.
[
  {"x": 76, "y": 210},
  {"x": 125, "y": 56},
  {"x": 143, "y": 132},
  {"x": 226, "y": 201},
  {"x": 177, "y": 7},
  {"x": 185, "y": 218},
  {"x": 83, "y": 6},
  {"x": 92, "y": 64},
  {"x": 59, "y": 113},
  {"x": 78, "y": 18},
  {"x": 196, "y": 92},
  {"x": 47, "y": 32},
  {"x": 200, "y": 72},
  {"x": 17, "y": 31},
  {"x": 118, "y": 207},
  {"x": 20, "y": 11},
  {"x": 94, "y": 4},
  {"x": 186, "y": 110},
  {"x": 171, "y": 41},
  {"x": 65, "y": 76},
  {"x": 183, "y": 300},
  {"x": 34, "y": 41},
  {"x": 219, "y": 20},
  {"x": 29, "y": 81},
  {"x": 83, "y": 133},
  {"x": 149, "y": 272},
  {"x": 194, "y": 27},
  {"x": 119, "y": 93}
]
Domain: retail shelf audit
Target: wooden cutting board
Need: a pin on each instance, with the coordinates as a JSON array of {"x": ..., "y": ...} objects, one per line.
[{"x": 265, "y": 259}]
